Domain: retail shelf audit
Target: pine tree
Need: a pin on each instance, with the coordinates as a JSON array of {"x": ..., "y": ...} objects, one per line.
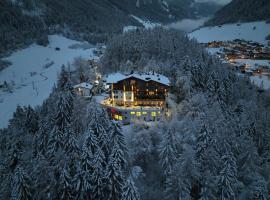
[
  {"x": 228, "y": 174},
  {"x": 207, "y": 186},
  {"x": 21, "y": 188},
  {"x": 32, "y": 120},
  {"x": 42, "y": 138},
  {"x": 91, "y": 140},
  {"x": 61, "y": 123},
  {"x": 99, "y": 124},
  {"x": 187, "y": 172},
  {"x": 168, "y": 151},
  {"x": 118, "y": 145},
  {"x": 114, "y": 179},
  {"x": 65, "y": 187},
  {"x": 130, "y": 191},
  {"x": 98, "y": 175}
]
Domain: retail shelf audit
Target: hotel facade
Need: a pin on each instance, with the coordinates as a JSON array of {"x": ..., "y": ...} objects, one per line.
[{"x": 136, "y": 96}]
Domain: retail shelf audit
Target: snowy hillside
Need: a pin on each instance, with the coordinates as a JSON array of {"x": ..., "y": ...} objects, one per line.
[
  {"x": 34, "y": 71},
  {"x": 255, "y": 31}
]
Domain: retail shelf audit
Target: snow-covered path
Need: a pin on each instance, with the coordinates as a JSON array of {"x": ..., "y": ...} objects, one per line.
[{"x": 32, "y": 80}]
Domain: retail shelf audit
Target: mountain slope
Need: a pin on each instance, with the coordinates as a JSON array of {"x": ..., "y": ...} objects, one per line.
[
  {"x": 242, "y": 10},
  {"x": 22, "y": 21}
]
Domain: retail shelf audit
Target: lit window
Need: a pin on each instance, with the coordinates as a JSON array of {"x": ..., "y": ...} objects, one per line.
[
  {"x": 132, "y": 113},
  {"x": 144, "y": 113},
  {"x": 120, "y": 117},
  {"x": 153, "y": 114},
  {"x": 151, "y": 93},
  {"x": 116, "y": 117},
  {"x": 138, "y": 114}
]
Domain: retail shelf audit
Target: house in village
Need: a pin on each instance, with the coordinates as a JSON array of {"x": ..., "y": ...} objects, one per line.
[
  {"x": 136, "y": 96},
  {"x": 83, "y": 89}
]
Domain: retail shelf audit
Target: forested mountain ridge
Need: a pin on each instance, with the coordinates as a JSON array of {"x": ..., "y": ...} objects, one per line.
[
  {"x": 24, "y": 21},
  {"x": 242, "y": 11}
]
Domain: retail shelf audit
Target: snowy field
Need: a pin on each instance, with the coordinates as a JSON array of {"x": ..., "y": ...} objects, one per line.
[
  {"x": 230, "y": 32},
  {"x": 34, "y": 71}
]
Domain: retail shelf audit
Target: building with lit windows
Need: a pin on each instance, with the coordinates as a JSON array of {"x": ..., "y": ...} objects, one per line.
[{"x": 136, "y": 96}]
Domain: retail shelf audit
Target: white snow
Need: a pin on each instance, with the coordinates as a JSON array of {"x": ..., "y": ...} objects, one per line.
[
  {"x": 129, "y": 28},
  {"x": 253, "y": 64},
  {"x": 261, "y": 81},
  {"x": 230, "y": 32},
  {"x": 116, "y": 77},
  {"x": 146, "y": 24},
  {"x": 84, "y": 85},
  {"x": 32, "y": 74}
]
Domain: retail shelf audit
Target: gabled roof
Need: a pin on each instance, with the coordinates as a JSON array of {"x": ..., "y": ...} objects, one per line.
[
  {"x": 151, "y": 76},
  {"x": 83, "y": 85}
]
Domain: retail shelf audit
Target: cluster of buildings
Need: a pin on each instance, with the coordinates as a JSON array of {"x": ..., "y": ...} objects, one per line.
[
  {"x": 133, "y": 97},
  {"x": 241, "y": 49},
  {"x": 232, "y": 51}
]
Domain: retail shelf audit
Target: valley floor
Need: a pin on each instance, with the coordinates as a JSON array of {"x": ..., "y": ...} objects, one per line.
[{"x": 33, "y": 73}]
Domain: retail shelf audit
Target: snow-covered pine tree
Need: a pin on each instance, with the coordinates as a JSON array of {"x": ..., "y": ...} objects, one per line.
[
  {"x": 203, "y": 140},
  {"x": 227, "y": 175},
  {"x": 114, "y": 178},
  {"x": 63, "y": 79},
  {"x": 258, "y": 190},
  {"x": 99, "y": 124},
  {"x": 21, "y": 185},
  {"x": 97, "y": 177},
  {"x": 130, "y": 191},
  {"x": 207, "y": 186},
  {"x": 168, "y": 151},
  {"x": 70, "y": 143},
  {"x": 64, "y": 191},
  {"x": 32, "y": 120},
  {"x": 61, "y": 122},
  {"x": 118, "y": 145},
  {"x": 90, "y": 140},
  {"x": 187, "y": 173},
  {"x": 42, "y": 138},
  {"x": 82, "y": 184}
]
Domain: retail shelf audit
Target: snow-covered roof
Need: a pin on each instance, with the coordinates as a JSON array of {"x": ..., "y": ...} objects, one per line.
[
  {"x": 84, "y": 85},
  {"x": 151, "y": 76}
]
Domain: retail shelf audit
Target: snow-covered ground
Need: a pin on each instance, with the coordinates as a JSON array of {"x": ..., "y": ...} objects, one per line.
[
  {"x": 34, "y": 71},
  {"x": 255, "y": 31},
  {"x": 145, "y": 23},
  {"x": 261, "y": 81}
]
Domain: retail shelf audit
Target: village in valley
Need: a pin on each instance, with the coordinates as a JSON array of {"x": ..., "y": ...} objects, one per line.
[{"x": 246, "y": 57}]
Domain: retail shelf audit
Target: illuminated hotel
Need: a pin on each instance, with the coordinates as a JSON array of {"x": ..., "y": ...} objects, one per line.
[{"x": 136, "y": 96}]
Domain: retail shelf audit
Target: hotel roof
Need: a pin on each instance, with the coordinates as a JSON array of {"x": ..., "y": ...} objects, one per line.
[{"x": 151, "y": 76}]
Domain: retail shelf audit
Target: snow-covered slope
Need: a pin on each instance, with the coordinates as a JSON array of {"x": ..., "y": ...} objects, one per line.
[
  {"x": 255, "y": 31},
  {"x": 145, "y": 23},
  {"x": 33, "y": 73}
]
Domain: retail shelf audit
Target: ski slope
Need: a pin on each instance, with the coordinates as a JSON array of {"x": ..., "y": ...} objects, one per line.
[
  {"x": 255, "y": 31},
  {"x": 34, "y": 72}
]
